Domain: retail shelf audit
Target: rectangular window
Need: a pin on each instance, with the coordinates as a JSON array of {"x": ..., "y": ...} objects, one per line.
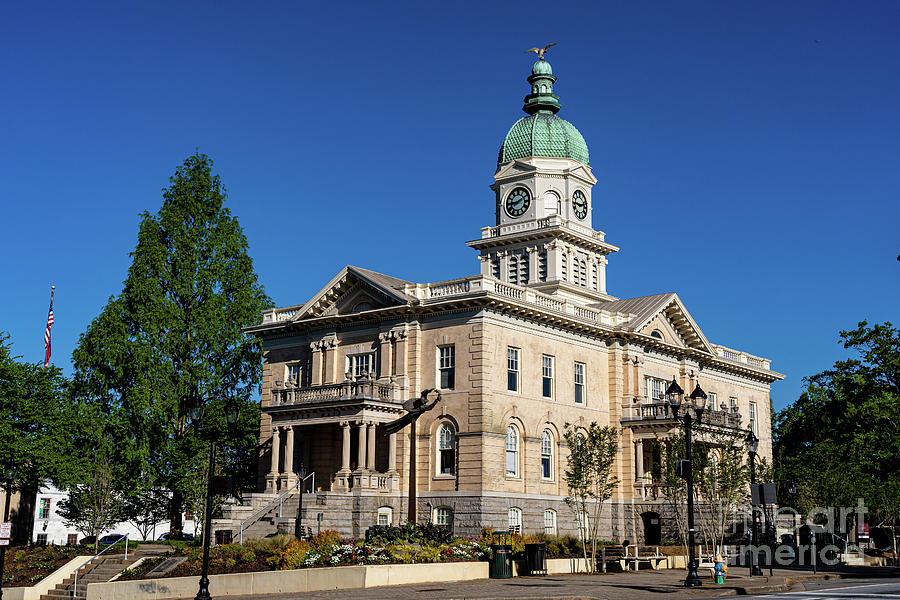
[
  {"x": 512, "y": 369},
  {"x": 753, "y": 417},
  {"x": 41, "y": 539},
  {"x": 713, "y": 403},
  {"x": 361, "y": 364},
  {"x": 71, "y": 539},
  {"x": 655, "y": 388},
  {"x": 732, "y": 404},
  {"x": 447, "y": 366},
  {"x": 579, "y": 383},
  {"x": 292, "y": 375},
  {"x": 443, "y": 516},
  {"x": 547, "y": 376},
  {"x": 44, "y": 510}
]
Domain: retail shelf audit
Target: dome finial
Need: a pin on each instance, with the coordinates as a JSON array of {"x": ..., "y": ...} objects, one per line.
[{"x": 541, "y": 99}]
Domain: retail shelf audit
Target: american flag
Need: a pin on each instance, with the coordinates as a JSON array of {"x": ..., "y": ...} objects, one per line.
[{"x": 47, "y": 331}]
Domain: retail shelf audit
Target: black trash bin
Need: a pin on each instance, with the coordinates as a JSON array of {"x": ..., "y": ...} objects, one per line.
[
  {"x": 223, "y": 536},
  {"x": 536, "y": 559}
]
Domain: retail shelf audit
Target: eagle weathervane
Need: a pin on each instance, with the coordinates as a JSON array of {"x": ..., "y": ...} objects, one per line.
[{"x": 540, "y": 51}]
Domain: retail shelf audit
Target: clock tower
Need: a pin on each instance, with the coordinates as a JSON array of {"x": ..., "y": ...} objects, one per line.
[{"x": 543, "y": 237}]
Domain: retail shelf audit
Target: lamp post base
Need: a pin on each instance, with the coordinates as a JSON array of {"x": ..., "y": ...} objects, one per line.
[{"x": 692, "y": 579}]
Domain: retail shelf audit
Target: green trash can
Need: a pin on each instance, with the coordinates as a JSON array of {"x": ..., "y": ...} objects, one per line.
[{"x": 501, "y": 556}]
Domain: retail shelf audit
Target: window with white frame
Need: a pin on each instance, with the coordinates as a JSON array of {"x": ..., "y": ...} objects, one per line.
[
  {"x": 385, "y": 516},
  {"x": 549, "y": 522},
  {"x": 551, "y": 204},
  {"x": 546, "y": 455},
  {"x": 753, "y": 417},
  {"x": 732, "y": 404},
  {"x": 512, "y": 451},
  {"x": 655, "y": 388},
  {"x": 443, "y": 516},
  {"x": 44, "y": 509},
  {"x": 514, "y": 516},
  {"x": 446, "y": 460},
  {"x": 579, "y": 383},
  {"x": 292, "y": 374},
  {"x": 713, "y": 401},
  {"x": 359, "y": 364},
  {"x": 547, "y": 376},
  {"x": 447, "y": 367},
  {"x": 512, "y": 369}
]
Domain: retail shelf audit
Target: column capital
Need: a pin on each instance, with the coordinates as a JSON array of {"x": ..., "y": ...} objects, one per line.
[{"x": 385, "y": 337}]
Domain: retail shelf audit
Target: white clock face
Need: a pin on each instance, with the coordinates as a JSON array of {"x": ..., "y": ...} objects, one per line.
[
  {"x": 579, "y": 204},
  {"x": 518, "y": 202}
]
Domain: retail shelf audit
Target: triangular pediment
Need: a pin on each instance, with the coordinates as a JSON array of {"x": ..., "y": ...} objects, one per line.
[
  {"x": 355, "y": 290},
  {"x": 673, "y": 317},
  {"x": 663, "y": 312},
  {"x": 513, "y": 168},
  {"x": 583, "y": 173}
]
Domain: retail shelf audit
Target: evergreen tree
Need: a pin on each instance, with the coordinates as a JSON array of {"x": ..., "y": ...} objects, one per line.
[{"x": 173, "y": 335}]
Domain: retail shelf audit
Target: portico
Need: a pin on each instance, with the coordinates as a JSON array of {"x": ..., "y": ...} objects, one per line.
[{"x": 334, "y": 430}]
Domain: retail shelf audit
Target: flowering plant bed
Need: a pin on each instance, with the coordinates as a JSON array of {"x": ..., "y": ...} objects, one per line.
[
  {"x": 325, "y": 550},
  {"x": 28, "y": 565}
]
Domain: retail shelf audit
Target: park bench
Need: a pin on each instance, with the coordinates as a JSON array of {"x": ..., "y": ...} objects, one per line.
[
  {"x": 615, "y": 555},
  {"x": 649, "y": 555}
]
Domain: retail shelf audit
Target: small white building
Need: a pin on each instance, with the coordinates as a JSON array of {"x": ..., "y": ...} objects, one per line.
[{"x": 50, "y": 528}]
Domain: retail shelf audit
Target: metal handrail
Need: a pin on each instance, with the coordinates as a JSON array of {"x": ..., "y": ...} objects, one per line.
[
  {"x": 84, "y": 564},
  {"x": 279, "y": 499}
]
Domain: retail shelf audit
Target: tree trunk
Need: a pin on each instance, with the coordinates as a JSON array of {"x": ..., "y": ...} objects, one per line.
[{"x": 176, "y": 523}]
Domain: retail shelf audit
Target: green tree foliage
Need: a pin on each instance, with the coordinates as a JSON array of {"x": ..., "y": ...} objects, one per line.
[
  {"x": 840, "y": 440},
  {"x": 36, "y": 421},
  {"x": 589, "y": 477},
  {"x": 95, "y": 503},
  {"x": 175, "y": 334}
]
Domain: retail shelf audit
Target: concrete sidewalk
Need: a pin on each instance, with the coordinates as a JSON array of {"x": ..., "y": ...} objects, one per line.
[{"x": 642, "y": 585}]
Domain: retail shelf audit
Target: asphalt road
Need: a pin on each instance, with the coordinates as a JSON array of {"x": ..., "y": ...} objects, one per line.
[{"x": 845, "y": 589}]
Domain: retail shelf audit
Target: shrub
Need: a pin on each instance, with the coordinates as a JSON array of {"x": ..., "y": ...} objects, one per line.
[{"x": 327, "y": 538}]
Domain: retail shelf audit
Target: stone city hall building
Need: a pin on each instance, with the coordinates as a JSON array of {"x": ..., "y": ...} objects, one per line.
[{"x": 533, "y": 341}]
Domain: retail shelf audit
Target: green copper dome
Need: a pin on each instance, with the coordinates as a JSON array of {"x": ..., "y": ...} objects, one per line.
[{"x": 542, "y": 133}]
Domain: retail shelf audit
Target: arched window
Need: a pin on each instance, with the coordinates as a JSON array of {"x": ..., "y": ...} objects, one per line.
[
  {"x": 385, "y": 516},
  {"x": 443, "y": 516},
  {"x": 446, "y": 459},
  {"x": 549, "y": 522},
  {"x": 551, "y": 204},
  {"x": 656, "y": 334},
  {"x": 512, "y": 451},
  {"x": 515, "y": 520},
  {"x": 546, "y": 455}
]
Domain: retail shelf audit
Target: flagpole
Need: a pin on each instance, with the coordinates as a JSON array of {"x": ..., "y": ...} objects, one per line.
[{"x": 47, "y": 331}]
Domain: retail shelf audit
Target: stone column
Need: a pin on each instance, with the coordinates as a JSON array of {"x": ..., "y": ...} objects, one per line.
[
  {"x": 274, "y": 473},
  {"x": 370, "y": 459},
  {"x": 601, "y": 274},
  {"x": 345, "y": 455},
  {"x": 316, "y": 375},
  {"x": 400, "y": 358},
  {"x": 639, "y": 459},
  {"x": 288, "y": 476},
  {"x": 385, "y": 356},
  {"x": 361, "y": 453},
  {"x": 485, "y": 260},
  {"x": 392, "y": 453},
  {"x": 504, "y": 265},
  {"x": 533, "y": 263},
  {"x": 330, "y": 350}
]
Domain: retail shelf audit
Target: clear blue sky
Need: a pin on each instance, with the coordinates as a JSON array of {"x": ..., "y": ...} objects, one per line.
[{"x": 747, "y": 153}]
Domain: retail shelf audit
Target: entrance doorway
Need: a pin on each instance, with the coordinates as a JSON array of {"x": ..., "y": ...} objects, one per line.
[{"x": 652, "y": 528}]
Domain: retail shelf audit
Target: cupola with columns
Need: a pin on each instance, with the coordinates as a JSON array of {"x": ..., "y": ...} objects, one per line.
[{"x": 543, "y": 237}]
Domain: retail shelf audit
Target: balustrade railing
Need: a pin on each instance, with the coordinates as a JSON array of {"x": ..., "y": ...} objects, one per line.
[
  {"x": 662, "y": 410},
  {"x": 346, "y": 390}
]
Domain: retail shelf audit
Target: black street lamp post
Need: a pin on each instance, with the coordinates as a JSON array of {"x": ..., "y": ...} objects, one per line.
[
  {"x": 752, "y": 448},
  {"x": 9, "y": 475},
  {"x": 674, "y": 395},
  {"x": 232, "y": 412}
]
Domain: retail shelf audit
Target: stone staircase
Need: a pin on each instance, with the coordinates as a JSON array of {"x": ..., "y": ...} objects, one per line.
[
  {"x": 99, "y": 570},
  {"x": 333, "y": 507}
]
